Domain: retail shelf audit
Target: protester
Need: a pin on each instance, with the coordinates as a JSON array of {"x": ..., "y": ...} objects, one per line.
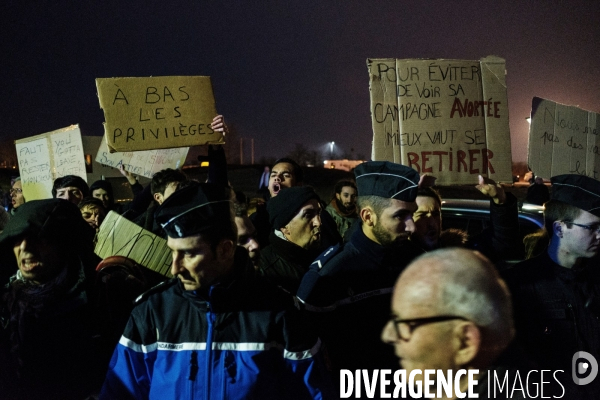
[
  {"x": 164, "y": 183},
  {"x": 296, "y": 238},
  {"x": 216, "y": 330},
  {"x": 556, "y": 293},
  {"x": 16, "y": 195},
  {"x": 93, "y": 212},
  {"x": 246, "y": 233},
  {"x": 343, "y": 206},
  {"x": 71, "y": 188},
  {"x": 48, "y": 344},
  {"x": 286, "y": 173},
  {"x": 501, "y": 242},
  {"x": 103, "y": 190},
  {"x": 450, "y": 311},
  {"x": 348, "y": 289}
]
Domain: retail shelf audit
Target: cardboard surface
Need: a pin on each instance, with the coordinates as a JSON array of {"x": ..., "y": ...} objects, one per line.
[
  {"x": 121, "y": 237},
  {"x": 144, "y": 163},
  {"x": 448, "y": 118},
  {"x": 43, "y": 158},
  {"x": 157, "y": 112},
  {"x": 563, "y": 140}
]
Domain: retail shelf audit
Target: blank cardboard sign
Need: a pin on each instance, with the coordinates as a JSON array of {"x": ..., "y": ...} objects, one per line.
[
  {"x": 448, "y": 118},
  {"x": 157, "y": 112}
]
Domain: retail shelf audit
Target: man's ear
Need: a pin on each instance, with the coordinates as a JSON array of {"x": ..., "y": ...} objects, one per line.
[
  {"x": 368, "y": 216},
  {"x": 157, "y": 197},
  {"x": 225, "y": 249},
  {"x": 468, "y": 343},
  {"x": 557, "y": 228}
]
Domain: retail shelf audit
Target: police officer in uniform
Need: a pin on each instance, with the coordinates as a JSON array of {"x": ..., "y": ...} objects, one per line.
[
  {"x": 556, "y": 295},
  {"x": 347, "y": 290}
]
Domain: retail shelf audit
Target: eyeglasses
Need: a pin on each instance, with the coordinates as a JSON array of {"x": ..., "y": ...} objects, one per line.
[
  {"x": 406, "y": 327},
  {"x": 595, "y": 229},
  {"x": 13, "y": 191}
]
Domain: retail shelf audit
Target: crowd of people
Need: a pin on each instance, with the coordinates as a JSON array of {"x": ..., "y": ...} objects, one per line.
[{"x": 275, "y": 304}]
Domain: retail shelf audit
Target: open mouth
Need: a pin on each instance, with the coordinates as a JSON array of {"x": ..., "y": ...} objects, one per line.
[
  {"x": 276, "y": 188},
  {"x": 29, "y": 265}
]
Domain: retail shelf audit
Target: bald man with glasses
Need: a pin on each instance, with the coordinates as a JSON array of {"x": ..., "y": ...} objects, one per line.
[{"x": 450, "y": 311}]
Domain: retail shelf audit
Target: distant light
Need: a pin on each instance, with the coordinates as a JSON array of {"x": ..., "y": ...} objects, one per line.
[
  {"x": 204, "y": 164},
  {"x": 528, "y": 119},
  {"x": 325, "y": 162}
]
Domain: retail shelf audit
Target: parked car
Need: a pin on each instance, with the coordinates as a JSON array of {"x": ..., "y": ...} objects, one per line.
[{"x": 473, "y": 216}]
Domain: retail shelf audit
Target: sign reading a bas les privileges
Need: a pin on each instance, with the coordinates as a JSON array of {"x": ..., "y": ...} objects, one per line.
[
  {"x": 157, "y": 112},
  {"x": 448, "y": 118}
]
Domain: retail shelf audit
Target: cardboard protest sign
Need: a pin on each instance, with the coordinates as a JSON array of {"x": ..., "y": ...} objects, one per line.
[
  {"x": 563, "y": 140},
  {"x": 448, "y": 118},
  {"x": 120, "y": 237},
  {"x": 157, "y": 112},
  {"x": 43, "y": 158},
  {"x": 144, "y": 163}
]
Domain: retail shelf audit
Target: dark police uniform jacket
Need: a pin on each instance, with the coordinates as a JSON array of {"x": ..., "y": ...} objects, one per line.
[
  {"x": 556, "y": 312},
  {"x": 243, "y": 339},
  {"x": 349, "y": 292}
]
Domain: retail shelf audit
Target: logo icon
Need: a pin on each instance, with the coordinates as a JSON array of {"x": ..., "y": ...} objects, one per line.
[{"x": 580, "y": 367}]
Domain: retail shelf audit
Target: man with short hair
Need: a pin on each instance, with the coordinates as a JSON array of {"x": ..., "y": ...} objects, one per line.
[
  {"x": 71, "y": 188},
  {"x": 215, "y": 330},
  {"x": 450, "y": 311},
  {"x": 16, "y": 195},
  {"x": 163, "y": 184},
  {"x": 348, "y": 289},
  {"x": 295, "y": 215},
  {"x": 343, "y": 206},
  {"x": 556, "y": 294},
  {"x": 285, "y": 173}
]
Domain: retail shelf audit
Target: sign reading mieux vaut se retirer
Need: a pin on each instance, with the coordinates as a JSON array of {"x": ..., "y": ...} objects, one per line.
[
  {"x": 563, "y": 140},
  {"x": 157, "y": 112},
  {"x": 448, "y": 118}
]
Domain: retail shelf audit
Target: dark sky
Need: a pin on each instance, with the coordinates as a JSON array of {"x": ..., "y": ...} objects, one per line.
[{"x": 285, "y": 71}]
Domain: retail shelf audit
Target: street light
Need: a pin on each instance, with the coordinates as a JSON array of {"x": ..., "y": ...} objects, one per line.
[{"x": 331, "y": 150}]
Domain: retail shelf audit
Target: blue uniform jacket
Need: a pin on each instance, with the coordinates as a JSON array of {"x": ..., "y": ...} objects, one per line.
[{"x": 244, "y": 339}]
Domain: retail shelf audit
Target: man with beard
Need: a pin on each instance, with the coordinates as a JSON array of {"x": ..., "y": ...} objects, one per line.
[
  {"x": 348, "y": 289},
  {"x": 295, "y": 215},
  {"x": 343, "y": 206},
  {"x": 556, "y": 294}
]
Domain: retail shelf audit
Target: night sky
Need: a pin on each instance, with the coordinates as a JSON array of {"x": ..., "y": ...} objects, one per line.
[{"x": 289, "y": 71}]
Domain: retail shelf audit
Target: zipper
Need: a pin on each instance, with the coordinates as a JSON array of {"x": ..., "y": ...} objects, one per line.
[{"x": 210, "y": 319}]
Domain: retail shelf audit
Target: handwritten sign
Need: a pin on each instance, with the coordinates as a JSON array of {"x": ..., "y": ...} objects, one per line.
[
  {"x": 144, "y": 163},
  {"x": 157, "y": 112},
  {"x": 43, "y": 158},
  {"x": 563, "y": 140},
  {"x": 448, "y": 118},
  {"x": 120, "y": 237}
]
